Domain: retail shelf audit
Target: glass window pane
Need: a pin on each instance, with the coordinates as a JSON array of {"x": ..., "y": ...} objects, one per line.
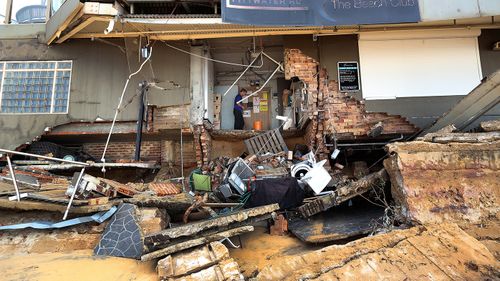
[
  {"x": 56, "y": 4},
  {"x": 32, "y": 86},
  {"x": 64, "y": 65},
  {"x": 28, "y": 11}
]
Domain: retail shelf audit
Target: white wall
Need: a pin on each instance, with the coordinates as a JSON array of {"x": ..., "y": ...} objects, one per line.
[{"x": 419, "y": 64}]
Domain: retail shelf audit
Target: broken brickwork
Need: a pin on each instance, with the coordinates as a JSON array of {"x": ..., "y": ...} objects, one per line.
[
  {"x": 332, "y": 112},
  {"x": 203, "y": 146}
]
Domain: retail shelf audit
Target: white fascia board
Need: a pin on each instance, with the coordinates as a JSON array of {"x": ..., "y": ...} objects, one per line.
[
  {"x": 420, "y": 34},
  {"x": 185, "y": 21}
]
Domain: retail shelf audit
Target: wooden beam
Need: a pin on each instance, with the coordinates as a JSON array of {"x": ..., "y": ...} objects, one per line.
[
  {"x": 25, "y": 205},
  {"x": 75, "y": 30},
  {"x": 184, "y": 34},
  {"x": 196, "y": 242},
  {"x": 228, "y": 33},
  {"x": 188, "y": 231},
  {"x": 73, "y": 16}
]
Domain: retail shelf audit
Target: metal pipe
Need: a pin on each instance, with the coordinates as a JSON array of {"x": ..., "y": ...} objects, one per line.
[
  {"x": 13, "y": 176},
  {"x": 373, "y": 143},
  {"x": 140, "y": 119},
  {"x": 241, "y": 75},
  {"x": 75, "y": 188},
  {"x": 262, "y": 87},
  {"x": 273, "y": 60},
  {"x": 43, "y": 157},
  {"x": 205, "y": 86}
]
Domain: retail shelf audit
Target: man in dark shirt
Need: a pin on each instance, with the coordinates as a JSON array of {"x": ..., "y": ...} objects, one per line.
[{"x": 239, "y": 122}]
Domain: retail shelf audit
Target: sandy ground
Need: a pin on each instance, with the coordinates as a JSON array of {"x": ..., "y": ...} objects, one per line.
[
  {"x": 261, "y": 249},
  {"x": 79, "y": 265}
]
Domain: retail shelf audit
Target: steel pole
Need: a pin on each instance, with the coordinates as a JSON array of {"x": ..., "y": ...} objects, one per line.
[
  {"x": 13, "y": 176},
  {"x": 75, "y": 188}
]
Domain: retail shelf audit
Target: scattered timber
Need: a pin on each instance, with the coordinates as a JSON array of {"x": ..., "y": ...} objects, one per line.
[
  {"x": 196, "y": 242},
  {"x": 50, "y": 167},
  {"x": 208, "y": 227},
  {"x": 343, "y": 194},
  {"x": 176, "y": 204},
  {"x": 25, "y": 205}
]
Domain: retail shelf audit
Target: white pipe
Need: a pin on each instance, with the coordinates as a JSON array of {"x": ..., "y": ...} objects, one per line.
[
  {"x": 243, "y": 73},
  {"x": 273, "y": 60},
  {"x": 75, "y": 188},
  {"x": 43, "y": 157},
  {"x": 262, "y": 87},
  {"x": 13, "y": 176}
]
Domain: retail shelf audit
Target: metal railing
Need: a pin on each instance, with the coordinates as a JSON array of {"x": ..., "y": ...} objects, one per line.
[{"x": 13, "y": 176}]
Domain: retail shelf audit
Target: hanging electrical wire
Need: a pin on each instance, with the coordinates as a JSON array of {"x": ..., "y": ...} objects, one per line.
[{"x": 196, "y": 55}]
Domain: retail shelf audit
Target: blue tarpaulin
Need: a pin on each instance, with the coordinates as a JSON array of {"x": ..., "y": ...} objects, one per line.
[
  {"x": 99, "y": 218},
  {"x": 319, "y": 12}
]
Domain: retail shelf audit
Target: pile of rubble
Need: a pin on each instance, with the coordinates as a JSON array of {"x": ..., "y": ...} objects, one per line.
[{"x": 185, "y": 225}]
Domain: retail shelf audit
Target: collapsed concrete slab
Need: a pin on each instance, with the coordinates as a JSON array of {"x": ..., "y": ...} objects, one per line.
[
  {"x": 196, "y": 230},
  {"x": 185, "y": 263},
  {"x": 434, "y": 252},
  {"x": 436, "y": 183}
]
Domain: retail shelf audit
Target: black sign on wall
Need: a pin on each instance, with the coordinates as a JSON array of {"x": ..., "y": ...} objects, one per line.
[
  {"x": 348, "y": 76},
  {"x": 319, "y": 12}
]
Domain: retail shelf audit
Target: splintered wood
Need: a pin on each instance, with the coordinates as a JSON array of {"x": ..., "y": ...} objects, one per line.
[{"x": 332, "y": 112}]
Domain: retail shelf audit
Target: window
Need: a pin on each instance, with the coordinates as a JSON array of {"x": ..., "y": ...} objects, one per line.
[
  {"x": 35, "y": 86},
  {"x": 28, "y": 11}
]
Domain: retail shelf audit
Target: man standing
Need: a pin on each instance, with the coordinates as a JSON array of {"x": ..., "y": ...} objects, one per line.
[{"x": 239, "y": 122}]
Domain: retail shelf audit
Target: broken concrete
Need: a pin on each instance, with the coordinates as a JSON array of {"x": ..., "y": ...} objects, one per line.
[
  {"x": 185, "y": 263},
  {"x": 225, "y": 270},
  {"x": 435, "y": 252},
  {"x": 152, "y": 220},
  {"x": 491, "y": 126},
  {"x": 436, "y": 183}
]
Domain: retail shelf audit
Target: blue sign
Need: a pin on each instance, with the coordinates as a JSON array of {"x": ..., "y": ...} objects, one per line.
[{"x": 319, "y": 12}]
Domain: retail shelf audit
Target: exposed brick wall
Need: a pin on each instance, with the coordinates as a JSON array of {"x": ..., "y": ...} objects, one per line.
[
  {"x": 332, "y": 112},
  {"x": 150, "y": 150},
  {"x": 203, "y": 146},
  {"x": 169, "y": 117},
  {"x": 171, "y": 152}
]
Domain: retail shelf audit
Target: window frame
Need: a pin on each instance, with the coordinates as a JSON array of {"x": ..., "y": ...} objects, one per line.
[{"x": 52, "y": 99}]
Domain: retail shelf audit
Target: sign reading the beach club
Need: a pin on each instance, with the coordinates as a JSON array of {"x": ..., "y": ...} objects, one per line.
[{"x": 319, "y": 12}]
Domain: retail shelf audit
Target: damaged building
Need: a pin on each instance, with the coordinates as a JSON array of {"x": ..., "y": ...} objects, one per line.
[{"x": 234, "y": 140}]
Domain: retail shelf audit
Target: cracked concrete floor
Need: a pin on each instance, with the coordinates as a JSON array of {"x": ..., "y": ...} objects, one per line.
[{"x": 434, "y": 252}]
